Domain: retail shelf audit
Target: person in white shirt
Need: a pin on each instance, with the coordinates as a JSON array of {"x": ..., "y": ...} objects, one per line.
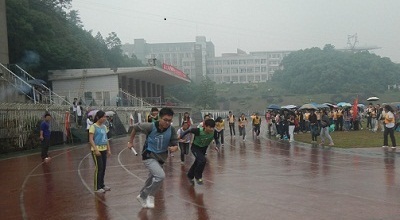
[
  {"x": 89, "y": 122},
  {"x": 389, "y": 127}
]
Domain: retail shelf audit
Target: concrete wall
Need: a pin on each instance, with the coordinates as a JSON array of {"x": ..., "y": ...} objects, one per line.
[
  {"x": 70, "y": 88},
  {"x": 4, "y": 59}
]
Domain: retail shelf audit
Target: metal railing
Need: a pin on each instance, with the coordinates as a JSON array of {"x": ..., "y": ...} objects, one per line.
[
  {"x": 48, "y": 95},
  {"x": 17, "y": 82},
  {"x": 132, "y": 100}
]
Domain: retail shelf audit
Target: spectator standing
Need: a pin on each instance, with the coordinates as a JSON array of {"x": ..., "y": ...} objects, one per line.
[
  {"x": 100, "y": 148},
  {"x": 389, "y": 127},
  {"x": 45, "y": 137}
]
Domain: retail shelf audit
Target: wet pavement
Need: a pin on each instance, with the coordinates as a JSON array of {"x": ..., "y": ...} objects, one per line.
[{"x": 255, "y": 179}]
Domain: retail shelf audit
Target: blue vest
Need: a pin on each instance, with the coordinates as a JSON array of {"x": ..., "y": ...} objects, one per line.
[
  {"x": 157, "y": 142},
  {"x": 100, "y": 135}
]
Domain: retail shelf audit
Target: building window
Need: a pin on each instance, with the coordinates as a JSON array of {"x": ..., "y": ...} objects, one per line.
[
  {"x": 257, "y": 69},
  {"x": 242, "y": 62},
  {"x": 263, "y": 69},
  {"x": 243, "y": 70},
  {"x": 250, "y": 69},
  {"x": 263, "y": 61},
  {"x": 234, "y": 62}
]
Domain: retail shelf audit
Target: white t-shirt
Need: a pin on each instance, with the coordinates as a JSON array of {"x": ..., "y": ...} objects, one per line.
[
  {"x": 88, "y": 123},
  {"x": 79, "y": 111},
  {"x": 389, "y": 115}
]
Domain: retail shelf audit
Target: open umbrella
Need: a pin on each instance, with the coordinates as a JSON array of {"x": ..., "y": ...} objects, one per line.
[
  {"x": 274, "y": 107},
  {"x": 373, "y": 98},
  {"x": 289, "y": 107},
  {"x": 344, "y": 104},
  {"x": 110, "y": 113},
  {"x": 321, "y": 106},
  {"x": 308, "y": 107},
  {"x": 92, "y": 113}
]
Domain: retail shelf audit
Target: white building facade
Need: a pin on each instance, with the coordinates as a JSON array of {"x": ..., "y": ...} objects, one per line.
[{"x": 197, "y": 60}]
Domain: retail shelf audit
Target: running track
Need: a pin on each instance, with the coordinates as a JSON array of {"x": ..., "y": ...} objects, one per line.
[{"x": 257, "y": 179}]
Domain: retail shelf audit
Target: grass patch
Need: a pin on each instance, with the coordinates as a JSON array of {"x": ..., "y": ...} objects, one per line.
[{"x": 352, "y": 139}]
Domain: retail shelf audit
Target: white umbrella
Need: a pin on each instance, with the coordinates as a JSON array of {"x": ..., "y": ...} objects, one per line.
[
  {"x": 289, "y": 107},
  {"x": 373, "y": 98},
  {"x": 110, "y": 113}
]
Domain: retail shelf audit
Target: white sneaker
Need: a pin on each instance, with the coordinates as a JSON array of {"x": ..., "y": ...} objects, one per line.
[
  {"x": 150, "y": 202},
  {"x": 393, "y": 148},
  {"x": 106, "y": 188},
  {"x": 384, "y": 147},
  {"x": 142, "y": 201},
  {"x": 100, "y": 191}
]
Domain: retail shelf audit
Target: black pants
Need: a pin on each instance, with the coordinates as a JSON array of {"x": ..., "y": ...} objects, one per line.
[
  {"x": 232, "y": 128},
  {"x": 218, "y": 135},
  {"x": 45, "y": 147},
  {"x": 256, "y": 129},
  {"x": 100, "y": 170},
  {"x": 184, "y": 147},
  {"x": 389, "y": 131},
  {"x": 196, "y": 170}
]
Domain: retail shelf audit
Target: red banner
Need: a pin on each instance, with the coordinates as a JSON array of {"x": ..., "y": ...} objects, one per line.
[{"x": 174, "y": 70}]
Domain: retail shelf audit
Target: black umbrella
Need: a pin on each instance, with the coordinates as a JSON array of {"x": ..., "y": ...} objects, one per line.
[{"x": 274, "y": 107}]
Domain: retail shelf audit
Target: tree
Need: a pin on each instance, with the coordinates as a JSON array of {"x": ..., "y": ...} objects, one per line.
[
  {"x": 58, "y": 39},
  {"x": 330, "y": 71},
  {"x": 206, "y": 94}
]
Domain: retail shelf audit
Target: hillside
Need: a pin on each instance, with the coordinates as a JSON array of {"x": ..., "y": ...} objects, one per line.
[{"x": 256, "y": 97}]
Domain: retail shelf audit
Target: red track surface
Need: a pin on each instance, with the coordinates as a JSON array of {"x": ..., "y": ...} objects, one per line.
[{"x": 256, "y": 179}]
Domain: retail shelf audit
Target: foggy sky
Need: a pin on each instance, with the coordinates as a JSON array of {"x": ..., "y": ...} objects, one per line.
[{"x": 254, "y": 25}]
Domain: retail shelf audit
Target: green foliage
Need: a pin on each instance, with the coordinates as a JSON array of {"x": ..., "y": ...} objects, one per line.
[
  {"x": 45, "y": 30},
  {"x": 206, "y": 94},
  {"x": 314, "y": 70}
]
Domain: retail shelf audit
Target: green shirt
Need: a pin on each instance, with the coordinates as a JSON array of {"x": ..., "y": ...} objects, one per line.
[{"x": 201, "y": 138}]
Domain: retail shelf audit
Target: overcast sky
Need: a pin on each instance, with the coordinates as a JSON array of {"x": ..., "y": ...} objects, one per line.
[{"x": 253, "y": 25}]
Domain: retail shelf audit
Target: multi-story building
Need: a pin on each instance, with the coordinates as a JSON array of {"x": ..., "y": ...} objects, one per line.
[
  {"x": 175, "y": 54},
  {"x": 197, "y": 59},
  {"x": 241, "y": 67}
]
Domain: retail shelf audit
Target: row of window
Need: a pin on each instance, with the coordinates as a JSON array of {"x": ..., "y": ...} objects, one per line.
[
  {"x": 162, "y": 56},
  {"x": 240, "y": 79},
  {"x": 236, "y": 70},
  {"x": 241, "y": 62},
  {"x": 172, "y": 48}
]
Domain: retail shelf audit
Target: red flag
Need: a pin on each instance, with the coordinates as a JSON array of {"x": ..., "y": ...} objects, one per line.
[{"x": 355, "y": 109}]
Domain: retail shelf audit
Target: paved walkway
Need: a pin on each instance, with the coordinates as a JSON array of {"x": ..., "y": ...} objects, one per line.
[{"x": 256, "y": 179}]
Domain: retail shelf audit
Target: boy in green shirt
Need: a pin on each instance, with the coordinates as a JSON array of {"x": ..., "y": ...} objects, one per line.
[{"x": 202, "y": 138}]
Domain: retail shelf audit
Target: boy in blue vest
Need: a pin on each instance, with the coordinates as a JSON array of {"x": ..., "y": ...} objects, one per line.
[
  {"x": 160, "y": 137},
  {"x": 202, "y": 138}
]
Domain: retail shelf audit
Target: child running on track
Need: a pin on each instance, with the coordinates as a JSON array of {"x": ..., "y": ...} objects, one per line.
[
  {"x": 184, "y": 141},
  {"x": 202, "y": 138},
  {"x": 161, "y": 137}
]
